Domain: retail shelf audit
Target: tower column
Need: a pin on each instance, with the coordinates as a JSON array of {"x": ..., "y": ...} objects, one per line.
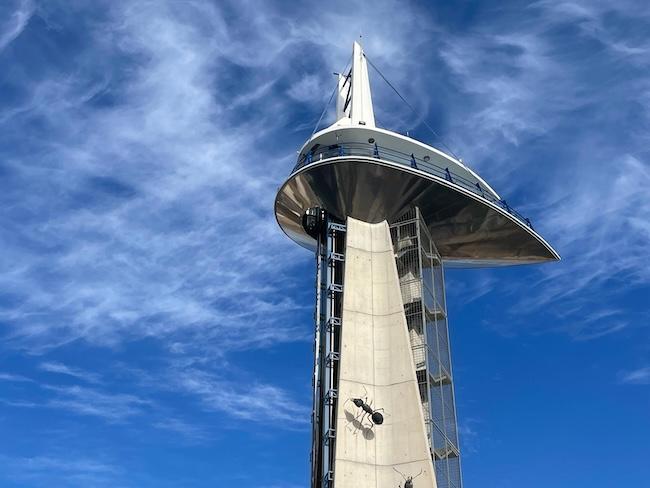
[{"x": 376, "y": 372}]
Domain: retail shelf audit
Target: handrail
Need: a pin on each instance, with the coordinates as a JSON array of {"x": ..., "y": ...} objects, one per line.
[{"x": 378, "y": 152}]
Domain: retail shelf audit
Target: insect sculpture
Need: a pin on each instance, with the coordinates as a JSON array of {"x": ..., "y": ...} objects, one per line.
[
  {"x": 376, "y": 418},
  {"x": 408, "y": 480}
]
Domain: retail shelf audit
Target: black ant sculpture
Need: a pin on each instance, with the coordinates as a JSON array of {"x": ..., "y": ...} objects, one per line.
[
  {"x": 376, "y": 418},
  {"x": 408, "y": 480}
]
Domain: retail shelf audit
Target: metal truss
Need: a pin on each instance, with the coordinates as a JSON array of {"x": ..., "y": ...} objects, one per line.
[{"x": 330, "y": 260}]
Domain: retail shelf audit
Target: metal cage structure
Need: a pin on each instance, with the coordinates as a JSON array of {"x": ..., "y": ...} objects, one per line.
[{"x": 421, "y": 275}]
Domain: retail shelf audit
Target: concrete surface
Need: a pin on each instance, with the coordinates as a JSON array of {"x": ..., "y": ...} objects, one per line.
[{"x": 376, "y": 365}]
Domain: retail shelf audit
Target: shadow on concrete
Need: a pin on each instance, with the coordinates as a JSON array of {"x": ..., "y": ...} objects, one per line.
[{"x": 358, "y": 426}]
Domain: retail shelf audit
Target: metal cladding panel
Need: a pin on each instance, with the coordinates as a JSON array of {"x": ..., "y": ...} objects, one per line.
[{"x": 467, "y": 230}]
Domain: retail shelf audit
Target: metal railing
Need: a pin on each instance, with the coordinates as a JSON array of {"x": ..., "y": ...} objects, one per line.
[{"x": 388, "y": 154}]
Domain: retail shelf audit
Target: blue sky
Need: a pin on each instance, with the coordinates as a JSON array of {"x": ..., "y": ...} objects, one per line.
[{"x": 155, "y": 322}]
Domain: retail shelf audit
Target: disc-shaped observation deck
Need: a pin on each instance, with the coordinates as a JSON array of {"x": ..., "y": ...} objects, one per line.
[
  {"x": 372, "y": 175},
  {"x": 355, "y": 169}
]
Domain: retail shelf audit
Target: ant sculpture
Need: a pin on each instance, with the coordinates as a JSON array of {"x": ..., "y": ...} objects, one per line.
[
  {"x": 408, "y": 480},
  {"x": 375, "y": 417}
]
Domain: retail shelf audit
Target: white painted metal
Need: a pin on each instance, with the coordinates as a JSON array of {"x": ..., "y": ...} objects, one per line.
[
  {"x": 394, "y": 140},
  {"x": 361, "y": 112},
  {"x": 359, "y": 109},
  {"x": 343, "y": 91}
]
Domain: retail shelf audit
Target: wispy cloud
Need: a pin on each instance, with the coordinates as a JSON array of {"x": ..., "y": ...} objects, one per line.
[
  {"x": 48, "y": 463},
  {"x": 505, "y": 88},
  {"x": 164, "y": 224},
  {"x": 592, "y": 19},
  {"x": 60, "y": 368},
  {"x": 255, "y": 402},
  {"x": 15, "y": 378},
  {"x": 639, "y": 376},
  {"x": 19, "y": 403},
  {"x": 112, "y": 407},
  {"x": 15, "y": 23},
  {"x": 586, "y": 191},
  {"x": 188, "y": 431},
  {"x": 470, "y": 436},
  {"x": 467, "y": 289},
  {"x": 69, "y": 470},
  {"x": 177, "y": 250},
  {"x": 166, "y": 168}
]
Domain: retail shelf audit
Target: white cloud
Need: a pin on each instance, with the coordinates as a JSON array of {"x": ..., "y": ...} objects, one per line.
[
  {"x": 70, "y": 469},
  {"x": 256, "y": 402},
  {"x": 592, "y": 19},
  {"x": 306, "y": 87},
  {"x": 112, "y": 407},
  {"x": 164, "y": 170},
  {"x": 187, "y": 231},
  {"x": 16, "y": 378},
  {"x": 541, "y": 121},
  {"x": 470, "y": 436},
  {"x": 13, "y": 26},
  {"x": 60, "y": 368},
  {"x": 639, "y": 376},
  {"x": 516, "y": 87},
  {"x": 189, "y": 432}
]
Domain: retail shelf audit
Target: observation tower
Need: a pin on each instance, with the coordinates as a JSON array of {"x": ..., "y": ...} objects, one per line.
[{"x": 383, "y": 214}]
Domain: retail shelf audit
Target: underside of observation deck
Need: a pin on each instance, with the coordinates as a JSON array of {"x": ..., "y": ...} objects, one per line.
[{"x": 468, "y": 229}]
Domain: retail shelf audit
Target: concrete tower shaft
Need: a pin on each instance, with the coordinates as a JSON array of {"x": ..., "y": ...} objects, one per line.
[{"x": 376, "y": 365}]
